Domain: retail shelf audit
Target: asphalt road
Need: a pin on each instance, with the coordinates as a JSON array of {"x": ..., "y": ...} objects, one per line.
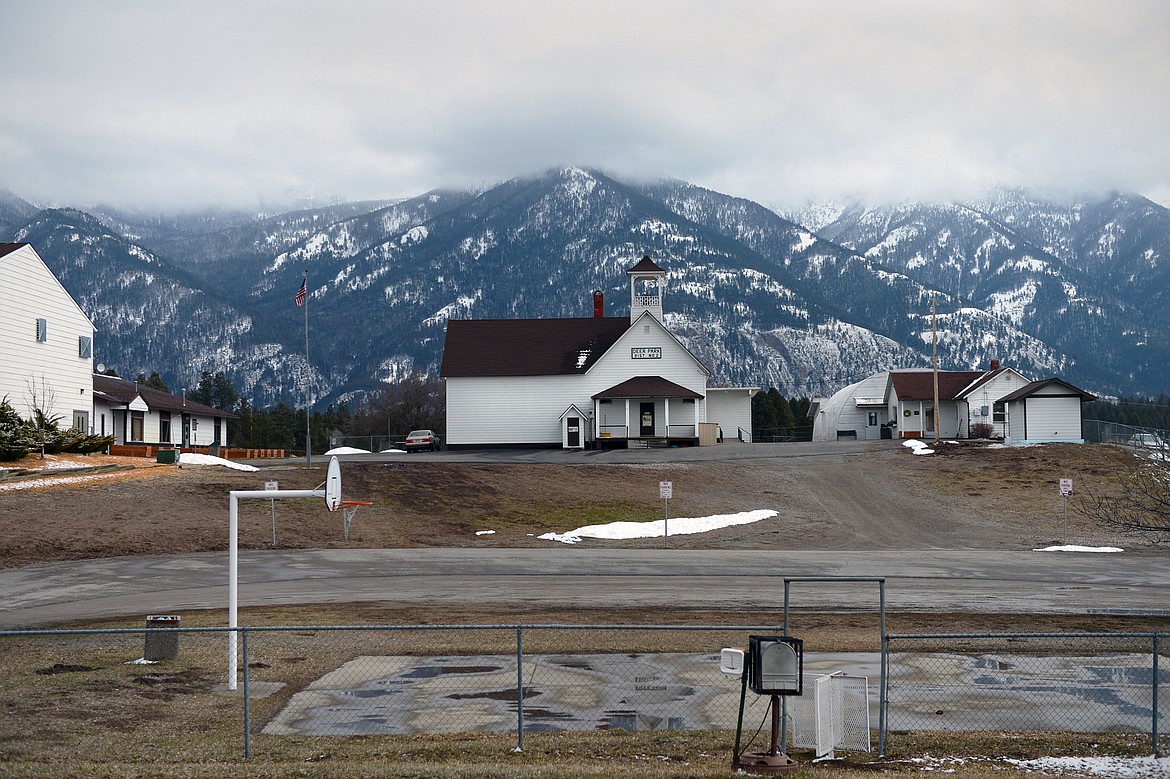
[{"x": 966, "y": 581}]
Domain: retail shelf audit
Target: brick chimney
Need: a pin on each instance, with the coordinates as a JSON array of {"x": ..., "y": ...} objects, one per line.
[
  {"x": 995, "y": 365},
  {"x": 598, "y": 304}
]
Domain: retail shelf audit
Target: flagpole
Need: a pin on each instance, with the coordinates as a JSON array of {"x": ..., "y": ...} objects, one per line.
[
  {"x": 934, "y": 342},
  {"x": 308, "y": 430}
]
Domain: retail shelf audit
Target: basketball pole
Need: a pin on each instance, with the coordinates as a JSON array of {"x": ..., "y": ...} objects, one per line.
[{"x": 330, "y": 491}]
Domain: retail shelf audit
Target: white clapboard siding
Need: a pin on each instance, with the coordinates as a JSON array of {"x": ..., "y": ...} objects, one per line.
[{"x": 57, "y": 364}]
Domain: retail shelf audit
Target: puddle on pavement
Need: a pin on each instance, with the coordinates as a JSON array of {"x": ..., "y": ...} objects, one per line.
[{"x": 941, "y": 691}]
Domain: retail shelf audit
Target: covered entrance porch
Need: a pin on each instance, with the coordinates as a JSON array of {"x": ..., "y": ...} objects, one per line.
[{"x": 647, "y": 411}]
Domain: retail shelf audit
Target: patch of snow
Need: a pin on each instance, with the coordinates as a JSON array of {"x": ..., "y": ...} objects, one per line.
[
  {"x": 193, "y": 458},
  {"x": 485, "y": 532},
  {"x": 392, "y": 451},
  {"x": 347, "y": 450},
  {"x": 679, "y": 526},
  {"x": 1074, "y": 548},
  {"x": 1117, "y": 767},
  {"x": 30, "y": 484}
]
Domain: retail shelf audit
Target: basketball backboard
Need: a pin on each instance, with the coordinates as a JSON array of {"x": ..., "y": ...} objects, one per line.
[{"x": 333, "y": 485}]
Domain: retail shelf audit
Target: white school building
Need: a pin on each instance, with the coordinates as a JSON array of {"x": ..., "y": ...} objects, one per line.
[{"x": 588, "y": 382}]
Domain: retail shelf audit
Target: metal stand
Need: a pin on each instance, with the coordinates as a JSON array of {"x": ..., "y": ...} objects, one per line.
[{"x": 773, "y": 761}]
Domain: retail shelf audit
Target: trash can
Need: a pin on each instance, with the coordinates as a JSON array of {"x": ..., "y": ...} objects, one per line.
[
  {"x": 161, "y": 645},
  {"x": 167, "y": 456}
]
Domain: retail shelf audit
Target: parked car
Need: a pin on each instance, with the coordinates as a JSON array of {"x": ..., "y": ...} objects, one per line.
[
  {"x": 420, "y": 440},
  {"x": 1146, "y": 441}
]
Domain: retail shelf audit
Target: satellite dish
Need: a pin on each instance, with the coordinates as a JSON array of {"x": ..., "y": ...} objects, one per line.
[
  {"x": 333, "y": 485},
  {"x": 101, "y": 367}
]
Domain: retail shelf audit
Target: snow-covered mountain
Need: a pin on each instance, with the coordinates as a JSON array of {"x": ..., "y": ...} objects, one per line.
[{"x": 1069, "y": 288}]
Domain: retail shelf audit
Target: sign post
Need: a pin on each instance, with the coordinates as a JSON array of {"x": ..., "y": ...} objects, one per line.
[
  {"x": 1066, "y": 489},
  {"x": 665, "y": 491},
  {"x": 272, "y": 486}
]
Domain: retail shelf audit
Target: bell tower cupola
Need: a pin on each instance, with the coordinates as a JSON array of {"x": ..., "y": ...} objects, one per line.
[{"x": 646, "y": 283}]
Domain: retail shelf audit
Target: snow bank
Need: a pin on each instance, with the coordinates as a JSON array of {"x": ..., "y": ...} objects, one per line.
[
  {"x": 347, "y": 450},
  {"x": 680, "y": 526},
  {"x": 192, "y": 458},
  {"x": 1072, "y": 548}
]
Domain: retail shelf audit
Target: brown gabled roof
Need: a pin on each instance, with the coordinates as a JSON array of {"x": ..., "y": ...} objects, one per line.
[
  {"x": 1031, "y": 389},
  {"x": 647, "y": 387},
  {"x": 982, "y": 380},
  {"x": 527, "y": 347},
  {"x": 645, "y": 265},
  {"x": 120, "y": 390},
  {"x": 9, "y": 248},
  {"x": 919, "y": 385}
]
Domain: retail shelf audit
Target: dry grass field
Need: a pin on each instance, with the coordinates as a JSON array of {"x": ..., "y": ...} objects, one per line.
[{"x": 71, "y": 706}]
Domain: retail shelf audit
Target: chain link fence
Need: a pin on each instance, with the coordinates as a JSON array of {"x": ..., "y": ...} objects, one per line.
[
  {"x": 342, "y": 681},
  {"x": 1101, "y": 432},
  {"x": 92, "y": 692},
  {"x": 1068, "y": 682},
  {"x": 370, "y": 443}
]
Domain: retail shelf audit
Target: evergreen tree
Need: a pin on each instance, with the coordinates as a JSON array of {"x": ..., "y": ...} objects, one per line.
[
  {"x": 223, "y": 394},
  {"x": 154, "y": 382},
  {"x": 205, "y": 391}
]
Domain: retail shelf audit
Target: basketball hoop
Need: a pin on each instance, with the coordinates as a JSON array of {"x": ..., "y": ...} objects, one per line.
[
  {"x": 349, "y": 509},
  {"x": 333, "y": 485}
]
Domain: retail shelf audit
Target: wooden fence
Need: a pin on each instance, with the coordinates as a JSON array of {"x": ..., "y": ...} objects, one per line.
[{"x": 151, "y": 451}]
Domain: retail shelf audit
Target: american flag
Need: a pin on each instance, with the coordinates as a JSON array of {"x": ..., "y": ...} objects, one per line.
[{"x": 301, "y": 293}]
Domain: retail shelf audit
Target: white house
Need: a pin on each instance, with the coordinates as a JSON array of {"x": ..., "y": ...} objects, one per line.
[
  {"x": 577, "y": 383},
  {"x": 1046, "y": 411},
  {"x": 984, "y": 397},
  {"x": 134, "y": 414},
  {"x": 46, "y": 341},
  {"x": 902, "y": 404}
]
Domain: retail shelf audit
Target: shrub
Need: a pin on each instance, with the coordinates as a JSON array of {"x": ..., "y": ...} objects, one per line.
[
  {"x": 982, "y": 430},
  {"x": 19, "y": 437}
]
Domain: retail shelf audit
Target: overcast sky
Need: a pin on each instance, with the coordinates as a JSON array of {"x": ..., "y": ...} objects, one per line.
[{"x": 181, "y": 105}]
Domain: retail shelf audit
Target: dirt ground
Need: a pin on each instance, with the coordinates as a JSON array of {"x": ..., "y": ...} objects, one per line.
[{"x": 967, "y": 496}]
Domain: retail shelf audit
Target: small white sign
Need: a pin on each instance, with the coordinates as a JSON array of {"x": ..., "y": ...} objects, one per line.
[
  {"x": 270, "y": 486},
  {"x": 1066, "y": 487},
  {"x": 665, "y": 488},
  {"x": 646, "y": 353}
]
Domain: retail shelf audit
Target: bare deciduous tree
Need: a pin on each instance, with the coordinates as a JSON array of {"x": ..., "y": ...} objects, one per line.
[
  {"x": 396, "y": 409},
  {"x": 41, "y": 400},
  {"x": 1139, "y": 502}
]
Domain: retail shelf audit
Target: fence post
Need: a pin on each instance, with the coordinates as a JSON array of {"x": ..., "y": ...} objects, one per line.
[
  {"x": 247, "y": 703},
  {"x": 1154, "y": 684},
  {"x": 883, "y": 694},
  {"x": 519, "y": 688}
]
